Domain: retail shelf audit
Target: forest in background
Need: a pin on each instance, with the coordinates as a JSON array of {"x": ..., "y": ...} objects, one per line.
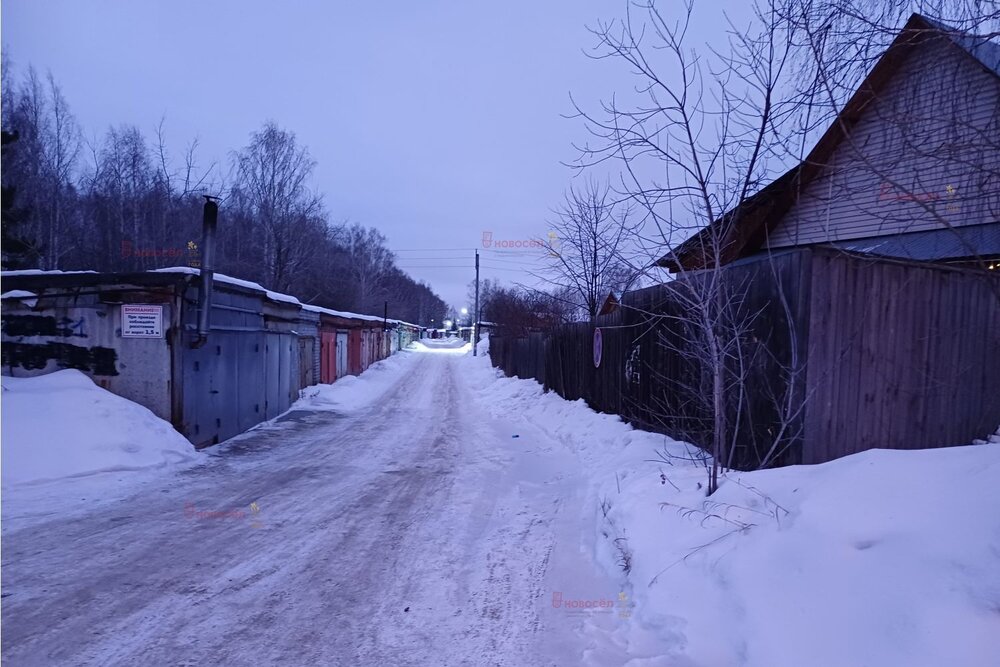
[{"x": 125, "y": 203}]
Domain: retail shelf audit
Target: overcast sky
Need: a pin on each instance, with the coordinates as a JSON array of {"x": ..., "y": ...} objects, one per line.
[{"x": 432, "y": 121}]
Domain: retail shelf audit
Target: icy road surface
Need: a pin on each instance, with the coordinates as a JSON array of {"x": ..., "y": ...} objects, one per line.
[{"x": 414, "y": 531}]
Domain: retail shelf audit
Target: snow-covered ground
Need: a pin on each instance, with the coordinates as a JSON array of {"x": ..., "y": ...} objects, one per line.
[
  {"x": 353, "y": 392},
  {"x": 883, "y": 558},
  {"x": 431, "y": 512},
  {"x": 62, "y": 425},
  {"x": 408, "y": 528}
]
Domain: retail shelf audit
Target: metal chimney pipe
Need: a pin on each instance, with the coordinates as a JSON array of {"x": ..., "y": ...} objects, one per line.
[{"x": 210, "y": 215}]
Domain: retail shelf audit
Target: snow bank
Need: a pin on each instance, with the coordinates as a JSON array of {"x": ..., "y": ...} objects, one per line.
[
  {"x": 62, "y": 424},
  {"x": 355, "y": 392},
  {"x": 882, "y": 558},
  {"x": 597, "y": 438},
  {"x": 455, "y": 346},
  {"x": 886, "y": 558},
  {"x": 352, "y": 393},
  {"x": 483, "y": 346}
]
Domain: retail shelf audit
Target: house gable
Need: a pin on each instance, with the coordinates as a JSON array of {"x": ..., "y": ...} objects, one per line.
[{"x": 922, "y": 153}]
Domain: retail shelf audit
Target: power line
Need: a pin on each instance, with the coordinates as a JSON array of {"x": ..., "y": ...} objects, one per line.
[
  {"x": 501, "y": 268},
  {"x": 535, "y": 251},
  {"x": 432, "y": 249},
  {"x": 513, "y": 261},
  {"x": 409, "y": 258}
]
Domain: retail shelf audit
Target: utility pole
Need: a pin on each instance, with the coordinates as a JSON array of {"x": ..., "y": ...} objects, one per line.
[
  {"x": 386, "y": 344},
  {"x": 475, "y": 328}
]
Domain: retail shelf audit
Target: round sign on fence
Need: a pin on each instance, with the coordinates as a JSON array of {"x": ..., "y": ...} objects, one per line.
[{"x": 598, "y": 347}]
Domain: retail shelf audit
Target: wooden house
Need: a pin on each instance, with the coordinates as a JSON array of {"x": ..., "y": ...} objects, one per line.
[
  {"x": 873, "y": 261},
  {"x": 867, "y": 274},
  {"x": 910, "y": 168}
]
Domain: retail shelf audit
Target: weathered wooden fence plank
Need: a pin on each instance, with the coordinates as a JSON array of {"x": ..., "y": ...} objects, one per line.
[{"x": 867, "y": 353}]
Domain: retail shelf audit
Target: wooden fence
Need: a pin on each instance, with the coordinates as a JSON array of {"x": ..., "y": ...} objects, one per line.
[
  {"x": 844, "y": 353},
  {"x": 522, "y": 357}
]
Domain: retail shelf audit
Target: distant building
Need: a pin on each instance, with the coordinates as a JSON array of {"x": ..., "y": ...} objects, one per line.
[{"x": 610, "y": 304}]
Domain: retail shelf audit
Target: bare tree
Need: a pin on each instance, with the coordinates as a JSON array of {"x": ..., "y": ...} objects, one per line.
[
  {"x": 707, "y": 126},
  {"x": 132, "y": 208},
  {"x": 44, "y": 162},
  {"x": 518, "y": 311},
  {"x": 270, "y": 180},
  {"x": 592, "y": 246},
  {"x": 60, "y": 166},
  {"x": 370, "y": 262},
  {"x": 8, "y": 91},
  {"x": 124, "y": 178}
]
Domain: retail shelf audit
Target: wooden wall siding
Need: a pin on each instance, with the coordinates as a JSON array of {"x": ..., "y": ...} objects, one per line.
[
  {"x": 892, "y": 355},
  {"x": 937, "y": 116},
  {"x": 900, "y": 357}
]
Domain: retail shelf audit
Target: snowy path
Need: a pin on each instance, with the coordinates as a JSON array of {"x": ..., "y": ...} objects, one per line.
[{"x": 416, "y": 531}]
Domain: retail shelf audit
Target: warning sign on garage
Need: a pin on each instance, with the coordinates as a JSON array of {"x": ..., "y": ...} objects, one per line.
[{"x": 142, "y": 321}]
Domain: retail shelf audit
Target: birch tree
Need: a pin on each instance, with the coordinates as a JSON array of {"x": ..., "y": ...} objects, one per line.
[
  {"x": 271, "y": 176},
  {"x": 43, "y": 162}
]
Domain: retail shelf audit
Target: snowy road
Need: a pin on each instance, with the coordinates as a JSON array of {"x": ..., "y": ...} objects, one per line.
[{"x": 415, "y": 531}]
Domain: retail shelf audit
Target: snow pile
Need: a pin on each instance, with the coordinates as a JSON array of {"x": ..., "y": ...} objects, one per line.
[
  {"x": 355, "y": 392},
  {"x": 220, "y": 277},
  {"x": 882, "y": 558},
  {"x": 62, "y": 424},
  {"x": 483, "y": 346},
  {"x": 886, "y": 558},
  {"x": 993, "y": 438},
  {"x": 597, "y": 438},
  {"x": 455, "y": 346}
]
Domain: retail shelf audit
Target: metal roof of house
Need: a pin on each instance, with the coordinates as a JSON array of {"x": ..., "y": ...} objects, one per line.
[
  {"x": 932, "y": 245},
  {"x": 982, "y": 49}
]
